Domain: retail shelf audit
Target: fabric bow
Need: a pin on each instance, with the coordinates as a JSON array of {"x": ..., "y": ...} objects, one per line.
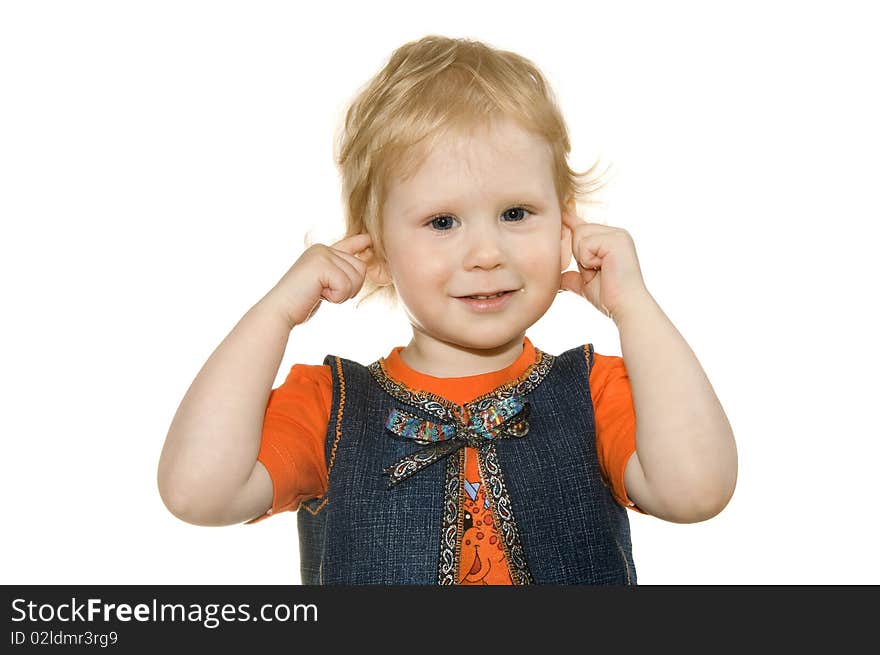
[{"x": 502, "y": 418}]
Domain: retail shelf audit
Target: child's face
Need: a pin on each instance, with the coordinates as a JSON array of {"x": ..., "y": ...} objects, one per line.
[{"x": 480, "y": 215}]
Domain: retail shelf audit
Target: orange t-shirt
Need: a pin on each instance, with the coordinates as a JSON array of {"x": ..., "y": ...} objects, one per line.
[{"x": 298, "y": 413}]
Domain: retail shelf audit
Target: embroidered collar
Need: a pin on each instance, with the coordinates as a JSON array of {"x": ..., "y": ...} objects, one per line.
[
  {"x": 447, "y": 411},
  {"x": 500, "y": 413}
]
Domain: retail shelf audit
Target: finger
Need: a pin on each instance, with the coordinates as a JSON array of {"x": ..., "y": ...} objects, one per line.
[
  {"x": 589, "y": 250},
  {"x": 359, "y": 264},
  {"x": 360, "y": 260},
  {"x": 354, "y": 276},
  {"x": 576, "y": 281},
  {"x": 572, "y": 220},
  {"x": 576, "y": 223},
  {"x": 354, "y": 244},
  {"x": 338, "y": 286}
]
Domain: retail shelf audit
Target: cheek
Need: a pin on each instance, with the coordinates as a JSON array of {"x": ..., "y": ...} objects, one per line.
[
  {"x": 541, "y": 261},
  {"x": 416, "y": 272}
]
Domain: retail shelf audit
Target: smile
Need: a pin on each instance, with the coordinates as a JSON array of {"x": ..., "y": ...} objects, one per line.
[
  {"x": 500, "y": 293},
  {"x": 491, "y": 303}
]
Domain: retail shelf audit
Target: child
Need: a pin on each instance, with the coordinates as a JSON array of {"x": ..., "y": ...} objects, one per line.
[{"x": 469, "y": 456}]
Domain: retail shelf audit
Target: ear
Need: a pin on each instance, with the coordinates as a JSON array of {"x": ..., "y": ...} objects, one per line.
[
  {"x": 565, "y": 252},
  {"x": 377, "y": 271}
]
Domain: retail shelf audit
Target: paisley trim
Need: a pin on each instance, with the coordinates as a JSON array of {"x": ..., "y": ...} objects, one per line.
[
  {"x": 452, "y": 526},
  {"x": 502, "y": 512},
  {"x": 459, "y": 498},
  {"x": 412, "y": 464},
  {"x": 527, "y": 382},
  {"x": 430, "y": 403},
  {"x": 447, "y": 411},
  {"x": 414, "y": 427},
  {"x": 506, "y": 418}
]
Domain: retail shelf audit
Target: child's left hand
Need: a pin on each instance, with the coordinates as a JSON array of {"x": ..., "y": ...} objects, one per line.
[{"x": 608, "y": 272}]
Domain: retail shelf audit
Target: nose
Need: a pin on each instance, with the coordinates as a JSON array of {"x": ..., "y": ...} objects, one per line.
[{"x": 485, "y": 248}]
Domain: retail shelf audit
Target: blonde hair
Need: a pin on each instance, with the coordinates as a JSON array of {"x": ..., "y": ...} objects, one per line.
[{"x": 430, "y": 88}]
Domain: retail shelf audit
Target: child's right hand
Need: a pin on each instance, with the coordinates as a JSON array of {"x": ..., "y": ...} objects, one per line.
[{"x": 322, "y": 272}]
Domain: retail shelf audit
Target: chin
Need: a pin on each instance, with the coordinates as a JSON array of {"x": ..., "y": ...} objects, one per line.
[{"x": 489, "y": 341}]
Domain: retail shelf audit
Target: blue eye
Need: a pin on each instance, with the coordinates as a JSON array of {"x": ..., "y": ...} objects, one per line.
[
  {"x": 513, "y": 215},
  {"x": 517, "y": 209},
  {"x": 447, "y": 223}
]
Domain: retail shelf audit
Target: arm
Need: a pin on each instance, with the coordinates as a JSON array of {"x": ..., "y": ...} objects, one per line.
[
  {"x": 208, "y": 469},
  {"x": 685, "y": 465}
]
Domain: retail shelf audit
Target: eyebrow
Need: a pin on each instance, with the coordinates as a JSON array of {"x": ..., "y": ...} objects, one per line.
[{"x": 424, "y": 208}]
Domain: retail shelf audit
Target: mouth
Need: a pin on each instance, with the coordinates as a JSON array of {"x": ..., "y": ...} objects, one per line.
[
  {"x": 488, "y": 302},
  {"x": 485, "y": 296}
]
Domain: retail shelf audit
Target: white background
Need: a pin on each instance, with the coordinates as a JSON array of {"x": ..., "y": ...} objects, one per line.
[{"x": 162, "y": 162}]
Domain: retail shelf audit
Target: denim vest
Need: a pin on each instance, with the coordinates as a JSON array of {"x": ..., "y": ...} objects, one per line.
[{"x": 557, "y": 518}]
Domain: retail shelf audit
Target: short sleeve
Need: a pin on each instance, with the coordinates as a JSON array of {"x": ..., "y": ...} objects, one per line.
[
  {"x": 615, "y": 423},
  {"x": 294, "y": 430}
]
